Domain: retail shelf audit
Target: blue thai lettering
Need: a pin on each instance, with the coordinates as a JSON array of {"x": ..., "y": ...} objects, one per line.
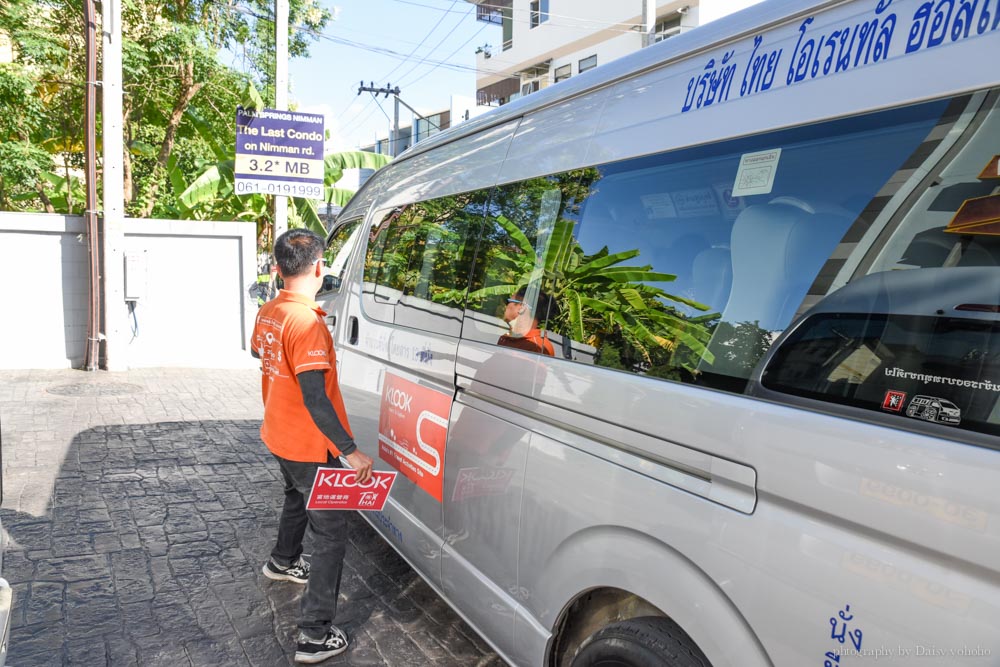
[
  {"x": 844, "y": 56},
  {"x": 721, "y": 80},
  {"x": 933, "y": 23},
  {"x": 940, "y": 22},
  {"x": 885, "y": 30},
  {"x": 711, "y": 85},
  {"x": 866, "y": 38},
  {"x": 761, "y": 69},
  {"x": 800, "y": 59},
  {"x": 964, "y": 18},
  {"x": 921, "y": 18}
]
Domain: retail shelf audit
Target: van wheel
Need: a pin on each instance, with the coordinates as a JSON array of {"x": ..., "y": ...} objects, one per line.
[{"x": 649, "y": 641}]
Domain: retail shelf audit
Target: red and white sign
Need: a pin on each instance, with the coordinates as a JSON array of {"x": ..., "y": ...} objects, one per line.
[
  {"x": 894, "y": 400},
  {"x": 338, "y": 489},
  {"x": 412, "y": 431}
]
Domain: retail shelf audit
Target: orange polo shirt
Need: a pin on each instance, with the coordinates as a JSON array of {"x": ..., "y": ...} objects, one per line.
[
  {"x": 532, "y": 341},
  {"x": 291, "y": 337}
]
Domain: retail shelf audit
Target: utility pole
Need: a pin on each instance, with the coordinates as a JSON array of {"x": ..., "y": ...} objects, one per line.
[
  {"x": 280, "y": 98},
  {"x": 648, "y": 21},
  {"x": 93, "y": 349},
  {"x": 387, "y": 91},
  {"x": 113, "y": 239}
]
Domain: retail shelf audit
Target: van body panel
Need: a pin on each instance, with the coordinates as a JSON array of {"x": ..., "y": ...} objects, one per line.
[
  {"x": 775, "y": 525},
  {"x": 645, "y": 114},
  {"x": 573, "y": 514}
]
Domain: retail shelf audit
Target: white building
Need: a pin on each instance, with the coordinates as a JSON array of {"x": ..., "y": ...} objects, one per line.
[{"x": 543, "y": 42}]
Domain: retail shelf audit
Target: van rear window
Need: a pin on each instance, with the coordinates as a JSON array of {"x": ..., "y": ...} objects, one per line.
[{"x": 932, "y": 370}]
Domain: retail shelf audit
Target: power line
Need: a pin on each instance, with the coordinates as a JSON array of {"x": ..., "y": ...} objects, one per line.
[{"x": 550, "y": 16}]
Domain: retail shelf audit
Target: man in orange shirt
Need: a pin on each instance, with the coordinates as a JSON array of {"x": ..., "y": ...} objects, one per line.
[
  {"x": 524, "y": 332},
  {"x": 305, "y": 427}
]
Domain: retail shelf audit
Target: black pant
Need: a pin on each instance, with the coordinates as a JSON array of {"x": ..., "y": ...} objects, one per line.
[{"x": 328, "y": 533}]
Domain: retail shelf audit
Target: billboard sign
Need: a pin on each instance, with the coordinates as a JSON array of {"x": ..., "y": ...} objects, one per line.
[{"x": 279, "y": 153}]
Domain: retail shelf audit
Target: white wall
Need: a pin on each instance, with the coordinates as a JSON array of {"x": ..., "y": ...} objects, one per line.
[{"x": 194, "y": 309}]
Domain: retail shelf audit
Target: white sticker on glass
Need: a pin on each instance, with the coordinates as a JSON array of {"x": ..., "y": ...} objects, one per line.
[{"x": 755, "y": 175}]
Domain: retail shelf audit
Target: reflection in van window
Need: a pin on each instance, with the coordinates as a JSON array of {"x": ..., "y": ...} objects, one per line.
[
  {"x": 744, "y": 252},
  {"x": 927, "y": 369},
  {"x": 338, "y": 250},
  {"x": 419, "y": 259}
]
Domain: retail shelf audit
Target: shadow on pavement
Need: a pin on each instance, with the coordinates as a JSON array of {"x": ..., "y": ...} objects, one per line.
[{"x": 150, "y": 554}]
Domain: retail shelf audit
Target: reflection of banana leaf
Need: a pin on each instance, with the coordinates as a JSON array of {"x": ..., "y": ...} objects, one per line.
[{"x": 598, "y": 295}]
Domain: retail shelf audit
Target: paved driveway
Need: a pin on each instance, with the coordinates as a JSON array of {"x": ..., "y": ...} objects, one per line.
[{"x": 138, "y": 509}]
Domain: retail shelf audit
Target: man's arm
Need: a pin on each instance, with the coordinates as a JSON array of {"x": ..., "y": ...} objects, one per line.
[{"x": 313, "y": 386}]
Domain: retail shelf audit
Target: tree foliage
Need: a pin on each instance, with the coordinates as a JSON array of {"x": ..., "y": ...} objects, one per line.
[{"x": 179, "y": 96}]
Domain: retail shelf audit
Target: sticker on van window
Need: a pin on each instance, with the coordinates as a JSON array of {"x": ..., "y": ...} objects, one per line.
[
  {"x": 756, "y": 173},
  {"x": 695, "y": 203},
  {"x": 412, "y": 431},
  {"x": 658, "y": 206},
  {"x": 894, "y": 401},
  {"x": 934, "y": 409}
]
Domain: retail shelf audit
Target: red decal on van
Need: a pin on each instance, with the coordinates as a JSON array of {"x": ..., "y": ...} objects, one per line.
[
  {"x": 894, "y": 400},
  {"x": 412, "y": 431}
]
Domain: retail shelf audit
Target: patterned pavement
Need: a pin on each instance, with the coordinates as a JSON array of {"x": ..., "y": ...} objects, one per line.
[{"x": 138, "y": 508}]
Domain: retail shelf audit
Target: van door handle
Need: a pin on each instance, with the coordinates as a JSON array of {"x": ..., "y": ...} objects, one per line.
[
  {"x": 353, "y": 322},
  {"x": 331, "y": 323}
]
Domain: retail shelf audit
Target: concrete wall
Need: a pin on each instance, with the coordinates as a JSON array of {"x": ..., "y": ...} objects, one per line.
[{"x": 192, "y": 280}]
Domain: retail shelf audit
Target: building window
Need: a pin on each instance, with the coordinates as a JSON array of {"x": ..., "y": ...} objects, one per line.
[
  {"x": 538, "y": 13},
  {"x": 563, "y": 72},
  {"x": 666, "y": 28},
  {"x": 590, "y": 62}
]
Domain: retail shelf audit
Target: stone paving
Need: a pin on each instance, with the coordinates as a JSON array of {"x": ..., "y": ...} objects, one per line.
[{"x": 138, "y": 509}]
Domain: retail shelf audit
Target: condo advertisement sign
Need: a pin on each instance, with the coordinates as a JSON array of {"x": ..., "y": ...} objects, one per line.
[
  {"x": 279, "y": 153},
  {"x": 412, "y": 431}
]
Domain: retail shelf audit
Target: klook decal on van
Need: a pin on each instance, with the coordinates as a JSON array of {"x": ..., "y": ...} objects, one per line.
[{"x": 412, "y": 431}]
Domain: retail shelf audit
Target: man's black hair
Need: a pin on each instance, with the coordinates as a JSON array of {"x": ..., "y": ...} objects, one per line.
[
  {"x": 296, "y": 250},
  {"x": 545, "y": 307}
]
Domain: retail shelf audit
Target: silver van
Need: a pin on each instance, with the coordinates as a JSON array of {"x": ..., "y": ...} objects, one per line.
[{"x": 643, "y": 347}]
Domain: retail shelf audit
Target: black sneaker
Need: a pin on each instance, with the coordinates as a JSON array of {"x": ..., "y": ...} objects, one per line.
[
  {"x": 317, "y": 650},
  {"x": 297, "y": 571}
]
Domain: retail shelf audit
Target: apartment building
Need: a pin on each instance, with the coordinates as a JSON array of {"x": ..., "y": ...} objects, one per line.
[{"x": 542, "y": 42}]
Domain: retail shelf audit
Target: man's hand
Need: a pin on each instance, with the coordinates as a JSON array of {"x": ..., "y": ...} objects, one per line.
[{"x": 362, "y": 464}]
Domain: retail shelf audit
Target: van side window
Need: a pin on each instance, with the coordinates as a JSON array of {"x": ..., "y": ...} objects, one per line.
[
  {"x": 516, "y": 297},
  {"x": 338, "y": 251},
  {"x": 685, "y": 265},
  {"x": 909, "y": 331},
  {"x": 418, "y": 262},
  {"x": 921, "y": 369}
]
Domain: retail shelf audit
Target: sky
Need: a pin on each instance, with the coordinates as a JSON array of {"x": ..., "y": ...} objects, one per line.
[{"x": 421, "y": 34}]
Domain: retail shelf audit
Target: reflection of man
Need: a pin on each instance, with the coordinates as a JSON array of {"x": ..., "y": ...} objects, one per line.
[
  {"x": 524, "y": 333},
  {"x": 305, "y": 427}
]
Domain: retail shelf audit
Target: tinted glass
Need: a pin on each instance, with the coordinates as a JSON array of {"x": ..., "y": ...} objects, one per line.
[
  {"x": 419, "y": 259},
  {"x": 937, "y": 370},
  {"x": 731, "y": 236},
  {"x": 338, "y": 251}
]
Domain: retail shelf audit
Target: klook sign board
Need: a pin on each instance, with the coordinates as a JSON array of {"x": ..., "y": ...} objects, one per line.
[
  {"x": 338, "y": 489},
  {"x": 413, "y": 430},
  {"x": 279, "y": 153}
]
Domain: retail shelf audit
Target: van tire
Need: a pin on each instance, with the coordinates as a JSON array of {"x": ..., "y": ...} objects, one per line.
[{"x": 649, "y": 641}]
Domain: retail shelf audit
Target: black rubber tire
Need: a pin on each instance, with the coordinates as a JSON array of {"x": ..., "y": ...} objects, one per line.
[{"x": 648, "y": 641}]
